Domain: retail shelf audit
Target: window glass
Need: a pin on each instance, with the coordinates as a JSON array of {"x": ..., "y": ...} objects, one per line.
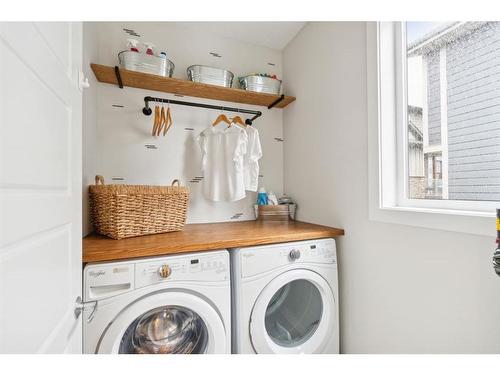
[{"x": 453, "y": 113}]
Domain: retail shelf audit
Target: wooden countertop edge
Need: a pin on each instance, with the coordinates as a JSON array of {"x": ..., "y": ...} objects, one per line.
[{"x": 159, "y": 244}]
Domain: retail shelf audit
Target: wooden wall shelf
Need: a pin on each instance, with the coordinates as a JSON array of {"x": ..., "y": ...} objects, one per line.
[{"x": 139, "y": 80}]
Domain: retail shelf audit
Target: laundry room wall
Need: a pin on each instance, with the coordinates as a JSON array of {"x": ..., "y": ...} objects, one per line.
[
  {"x": 126, "y": 152},
  {"x": 403, "y": 289}
]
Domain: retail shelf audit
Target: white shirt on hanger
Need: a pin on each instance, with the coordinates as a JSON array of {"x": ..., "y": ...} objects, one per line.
[
  {"x": 223, "y": 150},
  {"x": 251, "y": 159}
]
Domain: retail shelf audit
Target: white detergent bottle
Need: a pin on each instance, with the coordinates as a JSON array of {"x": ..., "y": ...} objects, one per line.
[{"x": 271, "y": 197}]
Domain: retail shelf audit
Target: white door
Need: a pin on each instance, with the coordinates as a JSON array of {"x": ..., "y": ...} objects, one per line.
[
  {"x": 40, "y": 187},
  {"x": 295, "y": 313}
]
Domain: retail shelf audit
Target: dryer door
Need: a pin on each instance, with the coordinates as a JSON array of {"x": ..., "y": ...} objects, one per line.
[
  {"x": 295, "y": 313},
  {"x": 165, "y": 323}
]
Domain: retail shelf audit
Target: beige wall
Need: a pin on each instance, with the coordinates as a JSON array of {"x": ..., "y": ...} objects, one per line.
[{"x": 403, "y": 289}]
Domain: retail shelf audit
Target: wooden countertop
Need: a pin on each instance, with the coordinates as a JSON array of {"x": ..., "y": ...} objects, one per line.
[{"x": 200, "y": 237}]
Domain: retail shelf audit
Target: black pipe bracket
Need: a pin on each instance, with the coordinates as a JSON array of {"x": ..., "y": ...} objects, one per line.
[{"x": 118, "y": 77}]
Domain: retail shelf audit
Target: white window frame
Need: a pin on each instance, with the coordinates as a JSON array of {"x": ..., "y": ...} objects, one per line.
[{"x": 387, "y": 111}]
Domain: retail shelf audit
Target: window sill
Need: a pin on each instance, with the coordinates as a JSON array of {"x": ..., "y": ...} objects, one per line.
[{"x": 472, "y": 222}]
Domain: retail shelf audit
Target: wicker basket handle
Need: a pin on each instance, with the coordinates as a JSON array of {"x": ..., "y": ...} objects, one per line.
[
  {"x": 176, "y": 181},
  {"x": 99, "y": 180}
]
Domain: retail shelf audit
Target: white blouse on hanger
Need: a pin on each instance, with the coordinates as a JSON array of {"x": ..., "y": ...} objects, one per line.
[
  {"x": 251, "y": 159},
  {"x": 223, "y": 150}
]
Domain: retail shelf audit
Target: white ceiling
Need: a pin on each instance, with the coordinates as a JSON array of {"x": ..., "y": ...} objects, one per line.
[{"x": 274, "y": 35}]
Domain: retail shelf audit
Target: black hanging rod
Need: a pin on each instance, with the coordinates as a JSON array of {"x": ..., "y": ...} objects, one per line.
[{"x": 147, "y": 110}]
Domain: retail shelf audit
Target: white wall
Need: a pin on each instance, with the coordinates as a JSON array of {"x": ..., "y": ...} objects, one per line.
[
  {"x": 123, "y": 132},
  {"x": 403, "y": 289}
]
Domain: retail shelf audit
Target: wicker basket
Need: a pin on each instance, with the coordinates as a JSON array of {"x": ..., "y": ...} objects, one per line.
[{"x": 121, "y": 211}]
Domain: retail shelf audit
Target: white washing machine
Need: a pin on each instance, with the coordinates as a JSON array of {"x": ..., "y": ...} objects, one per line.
[
  {"x": 165, "y": 305},
  {"x": 285, "y": 298}
]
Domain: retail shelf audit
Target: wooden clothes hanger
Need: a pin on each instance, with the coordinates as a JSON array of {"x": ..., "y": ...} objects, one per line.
[
  {"x": 168, "y": 121},
  {"x": 221, "y": 118},
  {"x": 162, "y": 122},
  {"x": 238, "y": 120},
  {"x": 156, "y": 120}
]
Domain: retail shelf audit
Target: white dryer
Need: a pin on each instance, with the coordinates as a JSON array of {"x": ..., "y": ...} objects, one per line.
[
  {"x": 171, "y": 304},
  {"x": 285, "y": 298}
]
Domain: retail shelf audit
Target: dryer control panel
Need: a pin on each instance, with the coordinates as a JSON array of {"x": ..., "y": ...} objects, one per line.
[
  {"x": 103, "y": 280},
  {"x": 261, "y": 259}
]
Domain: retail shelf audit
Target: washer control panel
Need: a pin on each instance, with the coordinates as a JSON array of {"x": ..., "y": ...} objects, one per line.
[
  {"x": 264, "y": 258},
  {"x": 192, "y": 268},
  {"x": 103, "y": 280}
]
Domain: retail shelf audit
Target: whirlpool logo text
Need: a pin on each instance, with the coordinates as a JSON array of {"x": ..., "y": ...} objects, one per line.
[{"x": 97, "y": 273}]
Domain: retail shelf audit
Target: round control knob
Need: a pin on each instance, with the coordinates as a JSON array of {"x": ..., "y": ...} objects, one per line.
[
  {"x": 164, "y": 271},
  {"x": 294, "y": 254}
]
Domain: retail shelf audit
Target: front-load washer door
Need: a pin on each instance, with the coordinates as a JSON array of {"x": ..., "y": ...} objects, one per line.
[
  {"x": 165, "y": 323},
  {"x": 295, "y": 313}
]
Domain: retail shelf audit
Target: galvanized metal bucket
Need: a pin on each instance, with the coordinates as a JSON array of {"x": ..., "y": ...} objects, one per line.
[
  {"x": 140, "y": 62},
  {"x": 261, "y": 84},
  {"x": 210, "y": 75}
]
